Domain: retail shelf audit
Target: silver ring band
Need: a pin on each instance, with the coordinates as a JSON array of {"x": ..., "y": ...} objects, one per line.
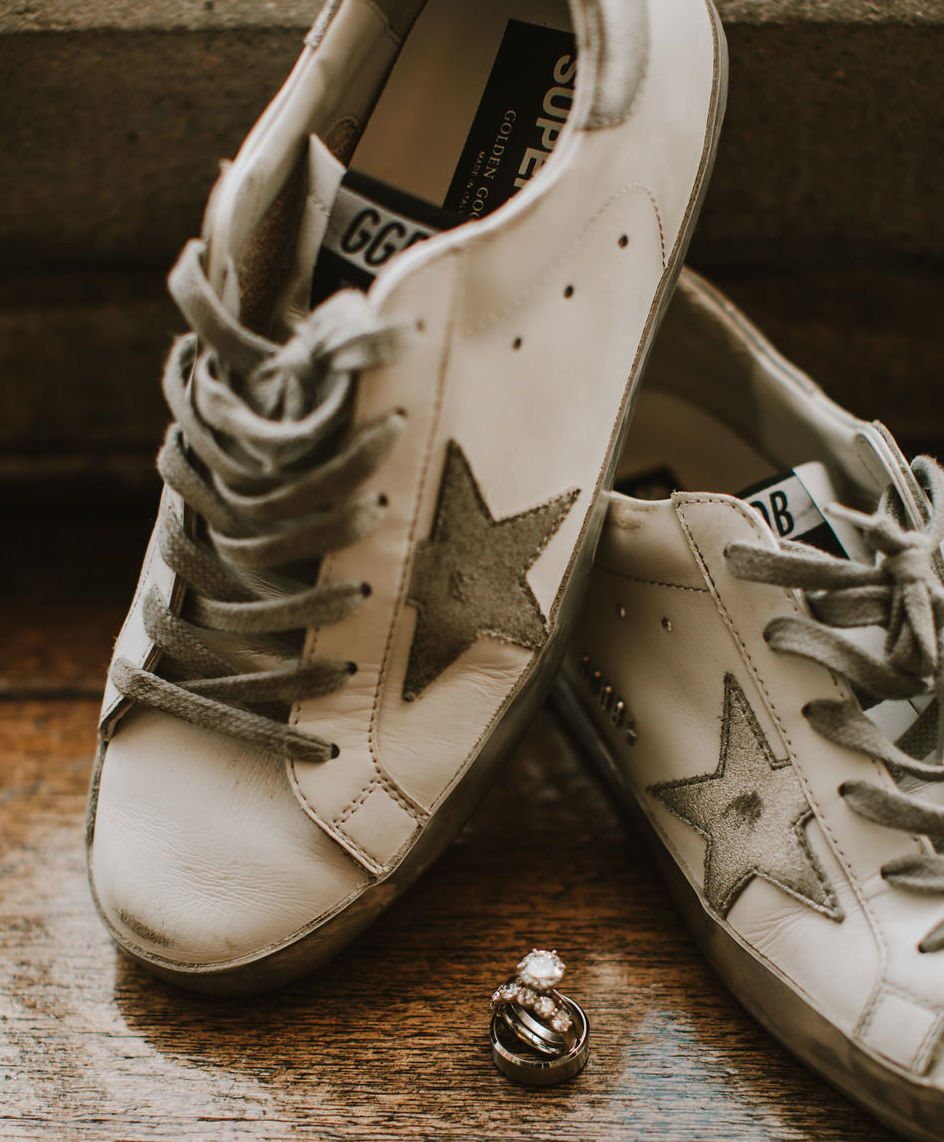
[
  {"x": 528, "y": 1030},
  {"x": 555, "y": 1041},
  {"x": 536, "y": 1067}
]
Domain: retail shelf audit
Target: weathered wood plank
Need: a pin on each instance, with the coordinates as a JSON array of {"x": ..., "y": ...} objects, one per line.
[{"x": 389, "y": 1041}]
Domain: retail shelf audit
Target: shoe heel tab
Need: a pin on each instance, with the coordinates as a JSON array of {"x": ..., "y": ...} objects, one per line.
[{"x": 613, "y": 39}]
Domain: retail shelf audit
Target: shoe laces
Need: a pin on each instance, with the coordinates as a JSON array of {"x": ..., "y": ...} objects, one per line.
[
  {"x": 270, "y": 476},
  {"x": 901, "y": 591}
]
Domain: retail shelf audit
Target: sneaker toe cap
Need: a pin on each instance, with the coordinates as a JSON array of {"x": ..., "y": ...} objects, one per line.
[{"x": 201, "y": 854}]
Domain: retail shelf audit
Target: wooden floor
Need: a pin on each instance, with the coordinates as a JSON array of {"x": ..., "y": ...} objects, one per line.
[{"x": 390, "y": 1041}]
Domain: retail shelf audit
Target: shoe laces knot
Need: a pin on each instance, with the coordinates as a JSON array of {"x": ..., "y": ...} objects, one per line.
[
  {"x": 909, "y": 569},
  {"x": 912, "y": 643},
  {"x": 338, "y": 339}
]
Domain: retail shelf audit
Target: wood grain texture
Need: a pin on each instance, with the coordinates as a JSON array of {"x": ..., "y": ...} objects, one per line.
[{"x": 390, "y": 1040}]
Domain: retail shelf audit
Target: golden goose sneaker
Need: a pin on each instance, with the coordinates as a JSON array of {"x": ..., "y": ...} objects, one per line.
[
  {"x": 425, "y": 289},
  {"x": 757, "y": 670}
]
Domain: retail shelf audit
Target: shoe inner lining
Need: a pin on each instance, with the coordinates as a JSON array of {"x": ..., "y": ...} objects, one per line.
[
  {"x": 675, "y": 446},
  {"x": 438, "y": 131},
  {"x": 721, "y": 410},
  {"x": 418, "y": 128},
  {"x": 472, "y": 108}
]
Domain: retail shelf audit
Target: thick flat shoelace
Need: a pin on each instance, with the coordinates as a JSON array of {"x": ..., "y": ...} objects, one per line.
[
  {"x": 253, "y": 456},
  {"x": 902, "y": 592}
]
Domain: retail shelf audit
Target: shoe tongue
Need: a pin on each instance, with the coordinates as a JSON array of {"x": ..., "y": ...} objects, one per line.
[
  {"x": 794, "y": 505},
  {"x": 370, "y": 223},
  {"x": 262, "y": 243}
]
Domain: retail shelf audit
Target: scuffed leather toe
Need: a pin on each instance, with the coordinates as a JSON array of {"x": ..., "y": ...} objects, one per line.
[{"x": 200, "y": 852}]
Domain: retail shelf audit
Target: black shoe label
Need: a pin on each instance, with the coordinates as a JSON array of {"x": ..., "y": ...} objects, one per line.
[
  {"x": 371, "y": 222},
  {"x": 521, "y": 114}
]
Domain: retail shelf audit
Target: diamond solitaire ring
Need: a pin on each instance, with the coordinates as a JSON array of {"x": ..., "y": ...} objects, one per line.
[
  {"x": 533, "y": 989},
  {"x": 539, "y": 1036}
]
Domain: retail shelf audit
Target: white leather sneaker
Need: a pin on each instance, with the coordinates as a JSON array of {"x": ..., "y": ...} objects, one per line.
[
  {"x": 380, "y": 513},
  {"x": 710, "y": 678}
]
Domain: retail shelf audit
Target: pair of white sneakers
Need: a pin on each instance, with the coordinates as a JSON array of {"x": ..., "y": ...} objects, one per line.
[{"x": 425, "y": 294}]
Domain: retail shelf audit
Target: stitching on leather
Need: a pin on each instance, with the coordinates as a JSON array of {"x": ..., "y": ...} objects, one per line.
[
  {"x": 338, "y": 826},
  {"x": 311, "y": 645},
  {"x": 729, "y": 622},
  {"x": 407, "y": 567},
  {"x": 852, "y": 878},
  {"x": 618, "y": 434},
  {"x": 536, "y": 284},
  {"x": 573, "y": 494},
  {"x": 653, "y": 582},
  {"x": 735, "y": 694},
  {"x": 354, "y": 805},
  {"x": 923, "y": 1057},
  {"x": 865, "y": 1019},
  {"x": 370, "y": 862},
  {"x": 527, "y": 672},
  {"x": 655, "y": 207},
  {"x": 906, "y": 993},
  {"x": 392, "y": 792}
]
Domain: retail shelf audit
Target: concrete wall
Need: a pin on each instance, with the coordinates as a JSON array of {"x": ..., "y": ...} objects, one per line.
[{"x": 824, "y": 218}]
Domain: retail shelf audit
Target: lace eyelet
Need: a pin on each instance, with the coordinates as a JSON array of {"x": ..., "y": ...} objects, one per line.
[
  {"x": 335, "y": 751},
  {"x": 352, "y": 668},
  {"x": 366, "y": 590},
  {"x": 382, "y": 500}
]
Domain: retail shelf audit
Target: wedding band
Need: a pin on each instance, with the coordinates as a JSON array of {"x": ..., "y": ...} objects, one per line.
[
  {"x": 529, "y": 1026},
  {"x": 533, "y": 1067},
  {"x": 528, "y": 1035}
]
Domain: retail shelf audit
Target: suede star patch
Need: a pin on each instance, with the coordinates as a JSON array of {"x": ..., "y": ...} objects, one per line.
[
  {"x": 469, "y": 578},
  {"x": 752, "y": 812}
]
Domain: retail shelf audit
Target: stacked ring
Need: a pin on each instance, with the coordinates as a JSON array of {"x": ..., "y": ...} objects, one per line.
[{"x": 539, "y": 1036}]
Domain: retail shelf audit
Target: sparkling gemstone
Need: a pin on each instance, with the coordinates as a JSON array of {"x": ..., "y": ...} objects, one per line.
[
  {"x": 526, "y": 996},
  {"x": 541, "y": 970},
  {"x": 507, "y": 993},
  {"x": 562, "y": 1022},
  {"x": 544, "y": 1006}
]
